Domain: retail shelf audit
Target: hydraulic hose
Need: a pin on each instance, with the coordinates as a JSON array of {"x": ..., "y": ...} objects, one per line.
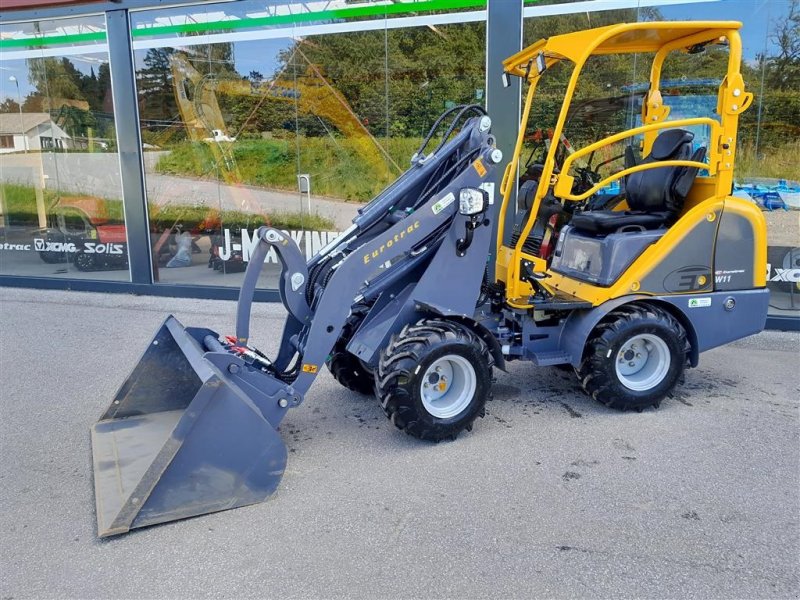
[
  {"x": 448, "y": 174},
  {"x": 462, "y": 110}
]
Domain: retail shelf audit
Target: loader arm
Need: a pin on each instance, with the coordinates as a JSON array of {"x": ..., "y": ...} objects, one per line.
[{"x": 369, "y": 265}]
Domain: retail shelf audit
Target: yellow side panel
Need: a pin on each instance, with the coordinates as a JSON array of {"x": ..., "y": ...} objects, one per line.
[{"x": 506, "y": 271}]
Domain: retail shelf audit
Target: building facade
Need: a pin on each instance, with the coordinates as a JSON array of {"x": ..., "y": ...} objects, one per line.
[
  {"x": 31, "y": 132},
  {"x": 143, "y": 143}
]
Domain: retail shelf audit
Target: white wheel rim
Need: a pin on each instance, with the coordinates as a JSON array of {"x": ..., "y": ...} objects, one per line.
[
  {"x": 448, "y": 386},
  {"x": 642, "y": 362}
]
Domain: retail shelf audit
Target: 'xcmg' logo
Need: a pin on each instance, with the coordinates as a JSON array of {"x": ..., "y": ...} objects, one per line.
[
  {"x": 41, "y": 245},
  {"x": 789, "y": 275}
]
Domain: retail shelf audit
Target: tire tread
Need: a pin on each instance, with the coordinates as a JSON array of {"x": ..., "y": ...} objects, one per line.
[
  {"x": 594, "y": 374},
  {"x": 397, "y": 366}
]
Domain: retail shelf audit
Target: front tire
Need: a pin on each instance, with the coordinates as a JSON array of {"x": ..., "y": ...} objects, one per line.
[
  {"x": 348, "y": 370},
  {"x": 634, "y": 358},
  {"x": 434, "y": 379}
]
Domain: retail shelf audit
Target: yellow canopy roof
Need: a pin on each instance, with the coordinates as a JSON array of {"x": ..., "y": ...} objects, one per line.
[{"x": 621, "y": 39}]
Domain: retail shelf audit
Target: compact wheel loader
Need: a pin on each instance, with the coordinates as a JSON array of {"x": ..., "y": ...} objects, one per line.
[{"x": 439, "y": 281}]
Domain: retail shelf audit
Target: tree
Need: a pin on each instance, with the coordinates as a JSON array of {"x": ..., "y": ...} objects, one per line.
[
  {"x": 104, "y": 88},
  {"x": 9, "y": 106},
  {"x": 55, "y": 78},
  {"x": 783, "y": 68},
  {"x": 154, "y": 84},
  {"x": 90, "y": 88}
]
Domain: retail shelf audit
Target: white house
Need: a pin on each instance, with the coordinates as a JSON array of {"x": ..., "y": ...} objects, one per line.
[{"x": 31, "y": 131}]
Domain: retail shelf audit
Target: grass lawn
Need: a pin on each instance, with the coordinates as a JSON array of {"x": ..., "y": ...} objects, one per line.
[{"x": 348, "y": 169}]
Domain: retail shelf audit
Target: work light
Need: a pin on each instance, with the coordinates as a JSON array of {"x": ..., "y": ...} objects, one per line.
[{"x": 472, "y": 201}]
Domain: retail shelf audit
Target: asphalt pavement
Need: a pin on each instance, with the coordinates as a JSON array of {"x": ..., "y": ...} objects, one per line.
[{"x": 551, "y": 495}]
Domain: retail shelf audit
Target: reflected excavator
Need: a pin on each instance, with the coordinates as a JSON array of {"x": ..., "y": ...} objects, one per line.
[{"x": 312, "y": 94}]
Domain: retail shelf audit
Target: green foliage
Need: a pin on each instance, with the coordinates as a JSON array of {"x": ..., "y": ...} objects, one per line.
[
  {"x": 9, "y": 105},
  {"x": 777, "y": 162}
]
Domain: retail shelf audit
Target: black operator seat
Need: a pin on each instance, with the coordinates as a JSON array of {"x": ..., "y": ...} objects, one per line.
[{"x": 655, "y": 196}]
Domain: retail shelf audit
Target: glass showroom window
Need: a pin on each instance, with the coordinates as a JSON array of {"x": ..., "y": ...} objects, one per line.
[
  {"x": 255, "y": 113},
  {"x": 60, "y": 193}
]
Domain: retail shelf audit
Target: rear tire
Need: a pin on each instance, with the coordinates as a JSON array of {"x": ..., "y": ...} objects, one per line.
[
  {"x": 634, "y": 358},
  {"x": 434, "y": 379},
  {"x": 54, "y": 258}
]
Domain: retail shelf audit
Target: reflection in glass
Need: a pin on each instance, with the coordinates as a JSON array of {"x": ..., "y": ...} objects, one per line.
[
  {"x": 229, "y": 127},
  {"x": 60, "y": 192}
]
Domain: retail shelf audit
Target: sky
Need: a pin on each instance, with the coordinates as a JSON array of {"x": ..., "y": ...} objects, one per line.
[{"x": 757, "y": 17}]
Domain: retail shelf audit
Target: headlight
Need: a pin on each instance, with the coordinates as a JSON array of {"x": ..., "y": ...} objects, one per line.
[{"x": 471, "y": 201}]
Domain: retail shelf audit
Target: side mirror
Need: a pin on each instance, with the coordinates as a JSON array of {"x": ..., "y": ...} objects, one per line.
[{"x": 541, "y": 63}]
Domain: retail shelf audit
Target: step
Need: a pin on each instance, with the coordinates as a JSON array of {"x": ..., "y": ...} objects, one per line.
[
  {"x": 561, "y": 301},
  {"x": 546, "y": 359}
]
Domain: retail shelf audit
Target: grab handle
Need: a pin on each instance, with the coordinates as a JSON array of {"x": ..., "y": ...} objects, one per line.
[{"x": 292, "y": 281}]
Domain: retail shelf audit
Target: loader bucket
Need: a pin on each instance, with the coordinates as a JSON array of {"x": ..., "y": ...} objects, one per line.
[{"x": 181, "y": 438}]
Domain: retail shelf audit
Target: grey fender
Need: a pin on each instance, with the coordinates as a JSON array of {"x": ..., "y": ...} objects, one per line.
[
  {"x": 481, "y": 330},
  {"x": 387, "y": 316},
  {"x": 718, "y": 318},
  {"x": 390, "y": 317},
  {"x": 580, "y": 324}
]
